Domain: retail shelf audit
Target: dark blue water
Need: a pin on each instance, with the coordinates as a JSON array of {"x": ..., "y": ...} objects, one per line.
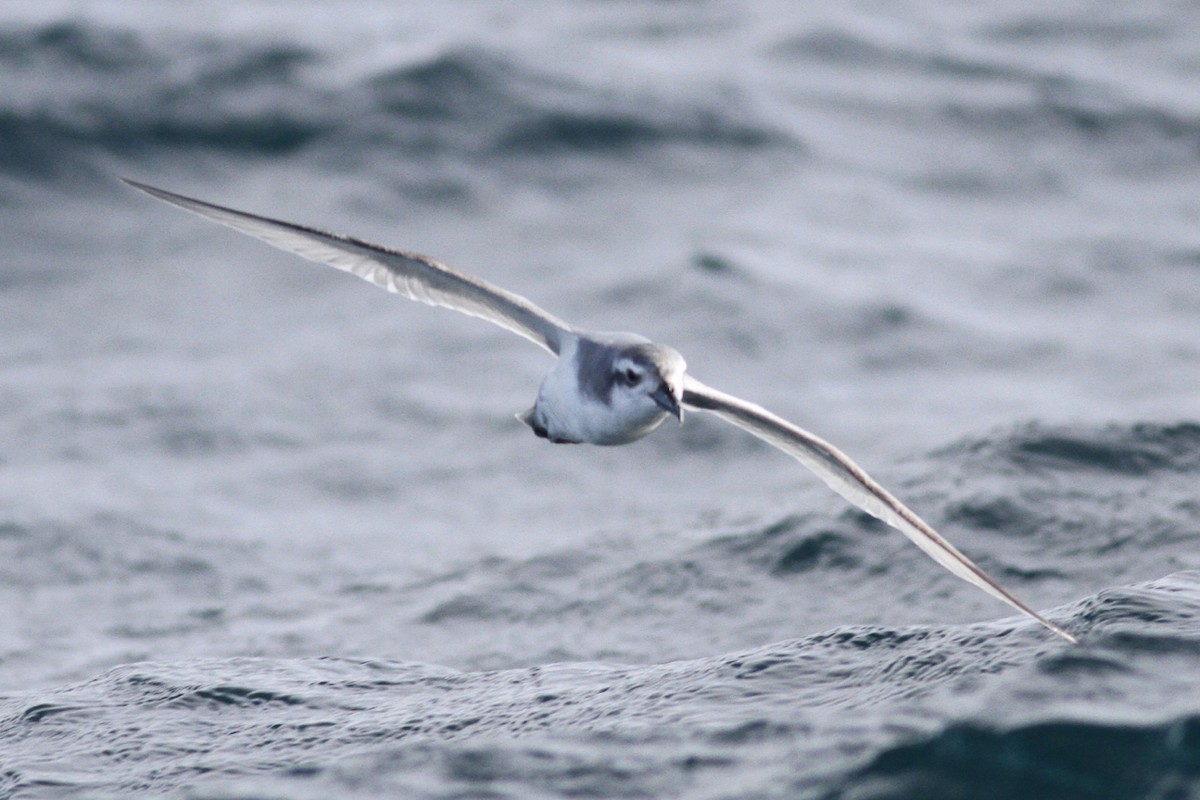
[{"x": 267, "y": 532}]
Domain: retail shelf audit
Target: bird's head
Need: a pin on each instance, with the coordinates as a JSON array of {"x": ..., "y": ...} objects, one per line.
[{"x": 649, "y": 376}]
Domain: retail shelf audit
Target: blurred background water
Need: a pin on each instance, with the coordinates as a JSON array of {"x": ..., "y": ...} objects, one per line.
[{"x": 267, "y": 532}]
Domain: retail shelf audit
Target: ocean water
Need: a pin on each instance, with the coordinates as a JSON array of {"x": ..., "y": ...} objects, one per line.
[{"x": 266, "y": 532}]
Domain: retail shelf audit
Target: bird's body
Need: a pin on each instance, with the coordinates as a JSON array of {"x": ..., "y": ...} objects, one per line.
[
  {"x": 606, "y": 388},
  {"x": 594, "y": 394}
]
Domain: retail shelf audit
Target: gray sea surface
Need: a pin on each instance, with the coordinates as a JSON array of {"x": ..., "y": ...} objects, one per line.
[{"x": 267, "y": 532}]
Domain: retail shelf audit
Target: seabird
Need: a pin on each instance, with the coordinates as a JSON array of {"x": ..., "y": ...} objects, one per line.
[{"x": 606, "y": 388}]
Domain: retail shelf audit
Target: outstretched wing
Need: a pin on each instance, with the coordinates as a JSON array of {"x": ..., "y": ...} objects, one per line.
[
  {"x": 409, "y": 274},
  {"x": 848, "y": 479}
]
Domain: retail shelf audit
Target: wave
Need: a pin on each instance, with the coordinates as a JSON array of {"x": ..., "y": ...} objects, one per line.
[
  {"x": 221, "y": 718},
  {"x": 1134, "y": 451},
  {"x": 1051, "y": 511},
  {"x": 90, "y": 90},
  {"x": 1062, "y": 760},
  {"x": 1008, "y": 89},
  {"x": 1043, "y": 457},
  {"x": 151, "y": 729}
]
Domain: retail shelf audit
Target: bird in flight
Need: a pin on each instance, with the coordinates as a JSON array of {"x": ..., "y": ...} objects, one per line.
[{"x": 606, "y": 388}]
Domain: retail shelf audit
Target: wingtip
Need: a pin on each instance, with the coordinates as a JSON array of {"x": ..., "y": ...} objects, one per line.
[
  {"x": 143, "y": 187},
  {"x": 1050, "y": 626},
  {"x": 1064, "y": 634}
]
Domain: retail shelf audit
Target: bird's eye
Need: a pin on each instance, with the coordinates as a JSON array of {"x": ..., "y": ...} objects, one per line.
[{"x": 630, "y": 376}]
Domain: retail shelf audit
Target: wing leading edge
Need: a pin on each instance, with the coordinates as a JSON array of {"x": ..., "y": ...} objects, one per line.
[
  {"x": 414, "y": 276},
  {"x": 851, "y": 482}
]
